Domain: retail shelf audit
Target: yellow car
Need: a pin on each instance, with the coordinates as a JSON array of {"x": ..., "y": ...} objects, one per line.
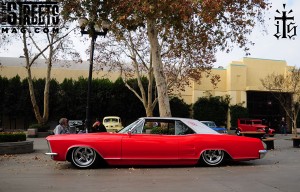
[{"x": 112, "y": 123}]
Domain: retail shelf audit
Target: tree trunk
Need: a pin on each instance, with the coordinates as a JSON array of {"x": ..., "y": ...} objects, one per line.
[
  {"x": 294, "y": 123},
  {"x": 47, "y": 82},
  {"x": 47, "y": 91},
  {"x": 33, "y": 99},
  {"x": 30, "y": 83},
  {"x": 162, "y": 90}
]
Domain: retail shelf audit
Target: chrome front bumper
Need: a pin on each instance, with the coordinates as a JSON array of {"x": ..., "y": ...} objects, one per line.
[
  {"x": 51, "y": 154},
  {"x": 262, "y": 153}
]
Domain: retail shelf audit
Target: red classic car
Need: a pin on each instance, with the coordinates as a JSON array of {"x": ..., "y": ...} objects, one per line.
[
  {"x": 155, "y": 141},
  {"x": 246, "y": 125}
]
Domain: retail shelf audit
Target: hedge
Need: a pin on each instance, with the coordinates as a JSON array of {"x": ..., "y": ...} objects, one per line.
[{"x": 12, "y": 137}]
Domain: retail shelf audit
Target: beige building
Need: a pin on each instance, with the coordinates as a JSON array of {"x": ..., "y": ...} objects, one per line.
[
  {"x": 235, "y": 80},
  {"x": 240, "y": 79},
  {"x": 10, "y": 67}
]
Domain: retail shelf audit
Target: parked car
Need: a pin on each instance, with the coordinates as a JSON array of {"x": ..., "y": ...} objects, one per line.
[
  {"x": 212, "y": 125},
  {"x": 245, "y": 125},
  {"x": 112, "y": 123},
  {"x": 173, "y": 141},
  {"x": 75, "y": 126}
]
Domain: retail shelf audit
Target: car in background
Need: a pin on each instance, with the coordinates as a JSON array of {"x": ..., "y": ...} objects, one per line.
[
  {"x": 212, "y": 125},
  {"x": 155, "y": 141},
  {"x": 75, "y": 125},
  {"x": 112, "y": 123},
  {"x": 253, "y": 125}
]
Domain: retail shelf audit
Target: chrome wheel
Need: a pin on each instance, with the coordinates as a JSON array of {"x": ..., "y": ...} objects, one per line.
[
  {"x": 213, "y": 157},
  {"x": 83, "y": 157}
]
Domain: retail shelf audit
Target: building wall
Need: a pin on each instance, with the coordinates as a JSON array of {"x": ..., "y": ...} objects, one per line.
[
  {"x": 240, "y": 77},
  {"x": 259, "y": 68},
  {"x": 235, "y": 80},
  {"x": 10, "y": 67},
  {"x": 205, "y": 88}
]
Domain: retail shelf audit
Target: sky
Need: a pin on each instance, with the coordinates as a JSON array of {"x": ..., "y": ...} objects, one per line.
[{"x": 267, "y": 46}]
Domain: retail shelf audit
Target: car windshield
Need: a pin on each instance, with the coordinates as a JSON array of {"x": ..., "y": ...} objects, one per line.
[
  {"x": 210, "y": 124},
  {"x": 112, "y": 120},
  {"x": 131, "y": 126},
  {"x": 75, "y": 122}
]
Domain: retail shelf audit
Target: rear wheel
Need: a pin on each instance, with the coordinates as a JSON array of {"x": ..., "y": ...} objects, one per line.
[
  {"x": 212, "y": 157},
  {"x": 84, "y": 157}
]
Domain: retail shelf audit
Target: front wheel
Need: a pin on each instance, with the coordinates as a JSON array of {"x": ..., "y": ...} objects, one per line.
[
  {"x": 212, "y": 157},
  {"x": 84, "y": 157}
]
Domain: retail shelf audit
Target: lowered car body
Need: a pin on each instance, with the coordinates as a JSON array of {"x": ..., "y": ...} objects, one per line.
[{"x": 155, "y": 141}]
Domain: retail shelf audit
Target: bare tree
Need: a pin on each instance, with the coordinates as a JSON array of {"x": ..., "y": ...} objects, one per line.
[
  {"x": 130, "y": 55},
  {"x": 48, "y": 45},
  {"x": 192, "y": 30},
  {"x": 129, "y": 52},
  {"x": 285, "y": 84},
  {"x": 50, "y": 51}
]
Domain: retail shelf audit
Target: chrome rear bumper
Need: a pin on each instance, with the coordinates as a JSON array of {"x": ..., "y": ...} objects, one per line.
[{"x": 262, "y": 153}]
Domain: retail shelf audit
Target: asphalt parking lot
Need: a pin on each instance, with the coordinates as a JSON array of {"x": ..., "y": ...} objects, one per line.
[{"x": 279, "y": 171}]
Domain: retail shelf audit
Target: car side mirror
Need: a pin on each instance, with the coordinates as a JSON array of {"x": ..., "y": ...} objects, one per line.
[{"x": 129, "y": 133}]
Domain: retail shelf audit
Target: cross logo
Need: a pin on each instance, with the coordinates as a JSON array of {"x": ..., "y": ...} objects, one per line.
[{"x": 285, "y": 25}]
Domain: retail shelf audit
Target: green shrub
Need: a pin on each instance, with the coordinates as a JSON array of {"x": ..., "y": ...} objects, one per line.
[
  {"x": 237, "y": 111},
  {"x": 212, "y": 108},
  {"x": 159, "y": 130},
  {"x": 12, "y": 137},
  {"x": 39, "y": 127},
  {"x": 163, "y": 130},
  {"x": 179, "y": 108}
]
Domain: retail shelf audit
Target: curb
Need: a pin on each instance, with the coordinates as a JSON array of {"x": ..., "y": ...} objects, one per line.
[{"x": 16, "y": 147}]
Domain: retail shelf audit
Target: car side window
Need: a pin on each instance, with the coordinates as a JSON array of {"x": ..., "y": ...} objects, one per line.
[
  {"x": 182, "y": 129},
  {"x": 160, "y": 128}
]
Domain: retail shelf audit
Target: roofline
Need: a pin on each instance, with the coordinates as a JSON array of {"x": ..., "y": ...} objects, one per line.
[
  {"x": 166, "y": 118},
  {"x": 264, "y": 59}
]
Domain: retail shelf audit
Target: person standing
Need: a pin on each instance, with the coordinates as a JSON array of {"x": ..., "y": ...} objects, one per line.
[
  {"x": 283, "y": 126},
  {"x": 62, "y": 127},
  {"x": 98, "y": 126}
]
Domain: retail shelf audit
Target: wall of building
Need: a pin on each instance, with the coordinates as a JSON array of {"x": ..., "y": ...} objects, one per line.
[
  {"x": 10, "y": 67},
  {"x": 235, "y": 80},
  {"x": 238, "y": 78}
]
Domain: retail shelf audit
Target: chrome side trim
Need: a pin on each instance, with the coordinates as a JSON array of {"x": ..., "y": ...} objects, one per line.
[{"x": 262, "y": 153}]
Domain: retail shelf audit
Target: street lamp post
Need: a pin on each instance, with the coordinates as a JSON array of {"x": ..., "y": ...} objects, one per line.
[{"x": 93, "y": 31}]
